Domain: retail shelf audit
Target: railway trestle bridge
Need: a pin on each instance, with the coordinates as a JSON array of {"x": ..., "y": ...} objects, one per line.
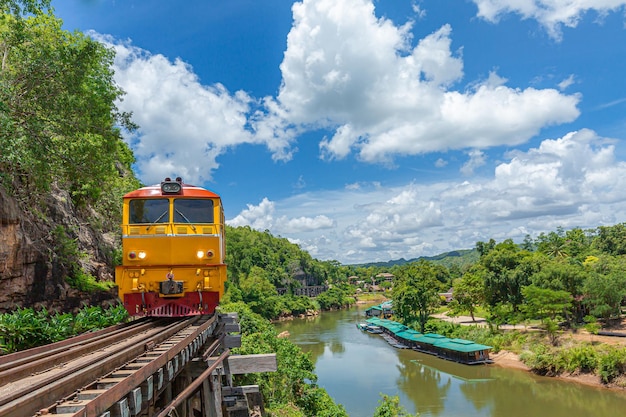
[{"x": 145, "y": 368}]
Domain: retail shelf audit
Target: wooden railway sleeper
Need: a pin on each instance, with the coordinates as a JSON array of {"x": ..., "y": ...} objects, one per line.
[
  {"x": 131, "y": 395},
  {"x": 32, "y": 393}
]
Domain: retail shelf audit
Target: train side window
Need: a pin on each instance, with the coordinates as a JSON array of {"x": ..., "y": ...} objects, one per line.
[
  {"x": 149, "y": 210},
  {"x": 193, "y": 210}
]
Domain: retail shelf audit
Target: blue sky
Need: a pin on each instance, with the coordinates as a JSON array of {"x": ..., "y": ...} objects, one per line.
[{"x": 374, "y": 130}]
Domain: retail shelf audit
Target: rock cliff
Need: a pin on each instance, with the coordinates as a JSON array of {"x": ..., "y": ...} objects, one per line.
[{"x": 34, "y": 260}]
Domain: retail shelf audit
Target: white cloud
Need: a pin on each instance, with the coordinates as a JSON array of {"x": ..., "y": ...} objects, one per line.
[
  {"x": 184, "y": 125},
  {"x": 563, "y": 85},
  {"x": 379, "y": 93},
  {"x": 360, "y": 77},
  {"x": 262, "y": 217},
  {"x": 477, "y": 159},
  {"x": 259, "y": 217},
  {"x": 302, "y": 224},
  {"x": 573, "y": 181},
  {"x": 552, "y": 14}
]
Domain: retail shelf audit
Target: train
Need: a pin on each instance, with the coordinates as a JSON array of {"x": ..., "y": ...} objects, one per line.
[{"x": 173, "y": 250}]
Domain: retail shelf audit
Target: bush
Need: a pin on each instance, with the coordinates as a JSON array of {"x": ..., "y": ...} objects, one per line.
[
  {"x": 390, "y": 407},
  {"x": 612, "y": 363},
  {"x": 26, "y": 328},
  {"x": 580, "y": 359},
  {"x": 334, "y": 298},
  {"x": 542, "y": 360}
]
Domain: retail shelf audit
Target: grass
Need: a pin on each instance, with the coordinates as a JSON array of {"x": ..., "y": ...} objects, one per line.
[{"x": 372, "y": 297}]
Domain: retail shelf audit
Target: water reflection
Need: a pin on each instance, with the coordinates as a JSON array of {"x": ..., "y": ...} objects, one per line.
[
  {"x": 429, "y": 395},
  {"x": 355, "y": 367}
]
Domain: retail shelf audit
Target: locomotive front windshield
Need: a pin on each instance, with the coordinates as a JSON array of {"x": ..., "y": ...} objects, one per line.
[
  {"x": 193, "y": 210},
  {"x": 186, "y": 210},
  {"x": 149, "y": 210}
]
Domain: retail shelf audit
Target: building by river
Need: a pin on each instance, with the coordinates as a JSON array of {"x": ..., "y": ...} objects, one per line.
[{"x": 458, "y": 350}]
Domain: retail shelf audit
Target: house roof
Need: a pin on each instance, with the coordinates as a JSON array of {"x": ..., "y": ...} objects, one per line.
[{"x": 433, "y": 339}]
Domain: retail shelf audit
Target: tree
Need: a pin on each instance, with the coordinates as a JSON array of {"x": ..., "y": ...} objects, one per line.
[
  {"x": 390, "y": 407},
  {"x": 544, "y": 303},
  {"x": 611, "y": 239},
  {"x": 507, "y": 270},
  {"x": 259, "y": 293},
  {"x": 416, "y": 292},
  {"x": 468, "y": 293},
  {"x": 58, "y": 119},
  {"x": 559, "y": 274},
  {"x": 484, "y": 248},
  {"x": 553, "y": 244},
  {"x": 604, "y": 294},
  {"x": 19, "y": 7}
]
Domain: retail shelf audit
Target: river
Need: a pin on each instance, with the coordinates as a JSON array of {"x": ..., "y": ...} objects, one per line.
[{"x": 355, "y": 367}]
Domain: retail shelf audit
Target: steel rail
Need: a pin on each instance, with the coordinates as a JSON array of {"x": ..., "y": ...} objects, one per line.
[
  {"x": 107, "y": 399},
  {"x": 17, "y": 358},
  {"x": 34, "y": 395},
  {"x": 187, "y": 392},
  {"x": 42, "y": 361}
]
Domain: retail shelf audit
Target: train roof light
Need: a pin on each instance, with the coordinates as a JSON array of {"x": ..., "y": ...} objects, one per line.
[{"x": 172, "y": 187}]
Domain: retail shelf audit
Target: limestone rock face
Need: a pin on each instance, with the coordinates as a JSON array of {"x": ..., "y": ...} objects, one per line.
[{"x": 32, "y": 271}]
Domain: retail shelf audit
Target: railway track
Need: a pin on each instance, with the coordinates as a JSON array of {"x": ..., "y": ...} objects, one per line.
[{"x": 125, "y": 370}]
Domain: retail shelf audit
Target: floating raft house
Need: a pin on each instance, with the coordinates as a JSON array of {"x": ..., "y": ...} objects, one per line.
[
  {"x": 381, "y": 310},
  {"x": 458, "y": 350}
]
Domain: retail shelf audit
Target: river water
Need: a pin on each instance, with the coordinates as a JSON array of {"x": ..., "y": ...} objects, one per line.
[{"x": 355, "y": 367}]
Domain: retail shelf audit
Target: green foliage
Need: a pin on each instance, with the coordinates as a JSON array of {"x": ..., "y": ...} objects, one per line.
[
  {"x": 19, "y": 7},
  {"x": 284, "y": 263},
  {"x": 552, "y": 329},
  {"x": 468, "y": 292},
  {"x": 542, "y": 360},
  {"x": 390, "y": 407},
  {"x": 69, "y": 256},
  {"x": 259, "y": 263},
  {"x": 604, "y": 293},
  {"x": 261, "y": 296},
  {"x": 26, "y": 328},
  {"x": 591, "y": 325},
  {"x": 87, "y": 283},
  {"x": 66, "y": 248},
  {"x": 507, "y": 270},
  {"x": 543, "y": 303},
  {"x": 607, "y": 361},
  {"x": 297, "y": 304},
  {"x": 416, "y": 292},
  {"x": 334, "y": 298},
  {"x": 582, "y": 358},
  {"x": 611, "y": 239},
  {"x": 612, "y": 363},
  {"x": 58, "y": 115}
]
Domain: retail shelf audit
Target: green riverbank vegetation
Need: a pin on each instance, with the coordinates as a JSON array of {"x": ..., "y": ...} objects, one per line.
[
  {"x": 559, "y": 285},
  {"x": 291, "y": 391}
]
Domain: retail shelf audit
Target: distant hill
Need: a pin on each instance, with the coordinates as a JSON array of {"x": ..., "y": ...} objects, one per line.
[{"x": 459, "y": 258}]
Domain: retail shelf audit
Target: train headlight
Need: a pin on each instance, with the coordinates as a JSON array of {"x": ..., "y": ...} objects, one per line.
[
  {"x": 200, "y": 254},
  {"x": 132, "y": 255},
  {"x": 171, "y": 187},
  {"x": 210, "y": 253}
]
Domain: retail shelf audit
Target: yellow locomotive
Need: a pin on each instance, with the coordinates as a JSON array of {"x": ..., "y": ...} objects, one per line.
[{"x": 173, "y": 251}]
